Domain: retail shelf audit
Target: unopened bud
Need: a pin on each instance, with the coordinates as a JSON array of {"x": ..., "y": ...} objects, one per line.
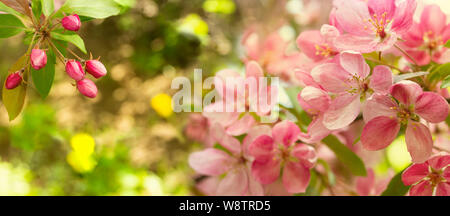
[
  {"x": 38, "y": 59},
  {"x": 13, "y": 80},
  {"x": 71, "y": 23},
  {"x": 75, "y": 70},
  {"x": 87, "y": 88},
  {"x": 95, "y": 68}
]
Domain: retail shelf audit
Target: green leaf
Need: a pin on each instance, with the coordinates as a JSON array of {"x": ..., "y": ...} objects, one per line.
[
  {"x": 396, "y": 187},
  {"x": 36, "y": 8},
  {"x": 71, "y": 38},
  {"x": 446, "y": 82},
  {"x": 346, "y": 156},
  {"x": 10, "y": 25},
  {"x": 43, "y": 79},
  {"x": 398, "y": 78},
  {"x": 98, "y": 9},
  {"x": 439, "y": 73},
  {"x": 14, "y": 99},
  {"x": 447, "y": 44},
  {"x": 48, "y": 7}
]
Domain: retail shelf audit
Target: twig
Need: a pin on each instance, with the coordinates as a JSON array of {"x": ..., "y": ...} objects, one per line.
[{"x": 406, "y": 54}]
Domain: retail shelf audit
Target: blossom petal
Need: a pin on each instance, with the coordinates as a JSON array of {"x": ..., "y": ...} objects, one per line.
[
  {"x": 424, "y": 188},
  {"x": 208, "y": 186},
  {"x": 433, "y": 19},
  {"x": 307, "y": 42},
  {"x": 379, "y": 7},
  {"x": 403, "y": 18},
  {"x": 332, "y": 77},
  {"x": 419, "y": 142},
  {"x": 234, "y": 184},
  {"x": 229, "y": 142},
  {"x": 267, "y": 171},
  {"x": 351, "y": 16},
  {"x": 432, "y": 107},
  {"x": 343, "y": 111},
  {"x": 446, "y": 174},
  {"x": 295, "y": 177},
  {"x": 262, "y": 148},
  {"x": 355, "y": 64},
  {"x": 286, "y": 133},
  {"x": 362, "y": 44},
  {"x": 210, "y": 161},
  {"x": 365, "y": 185},
  {"x": 379, "y": 132},
  {"x": 379, "y": 105},
  {"x": 381, "y": 79},
  {"x": 305, "y": 154},
  {"x": 439, "y": 162},
  {"x": 316, "y": 98},
  {"x": 415, "y": 173},
  {"x": 316, "y": 131},
  {"x": 241, "y": 126},
  {"x": 253, "y": 134},
  {"x": 406, "y": 91},
  {"x": 252, "y": 69},
  {"x": 443, "y": 189}
]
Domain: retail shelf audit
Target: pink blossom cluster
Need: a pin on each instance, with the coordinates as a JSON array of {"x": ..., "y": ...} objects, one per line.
[{"x": 344, "y": 90}]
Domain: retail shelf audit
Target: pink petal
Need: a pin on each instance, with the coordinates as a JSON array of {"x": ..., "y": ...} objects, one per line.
[
  {"x": 406, "y": 91},
  {"x": 329, "y": 33},
  {"x": 235, "y": 183},
  {"x": 307, "y": 42},
  {"x": 419, "y": 142},
  {"x": 332, "y": 77},
  {"x": 221, "y": 81},
  {"x": 253, "y": 134},
  {"x": 381, "y": 79},
  {"x": 254, "y": 188},
  {"x": 241, "y": 126},
  {"x": 415, "y": 173},
  {"x": 362, "y": 44},
  {"x": 379, "y": 132},
  {"x": 439, "y": 162},
  {"x": 379, "y": 7},
  {"x": 229, "y": 142},
  {"x": 432, "y": 107},
  {"x": 215, "y": 113},
  {"x": 366, "y": 185},
  {"x": 433, "y": 19},
  {"x": 316, "y": 131},
  {"x": 295, "y": 177},
  {"x": 262, "y": 148},
  {"x": 424, "y": 188},
  {"x": 422, "y": 57},
  {"x": 403, "y": 17},
  {"x": 252, "y": 69},
  {"x": 306, "y": 79},
  {"x": 267, "y": 171},
  {"x": 446, "y": 174},
  {"x": 208, "y": 186},
  {"x": 443, "y": 189},
  {"x": 379, "y": 105},
  {"x": 305, "y": 154},
  {"x": 316, "y": 98},
  {"x": 210, "y": 162},
  {"x": 351, "y": 15},
  {"x": 354, "y": 64},
  {"x": 285, "y": 133},
  {"x": 414, "y": 37},
  {"x": 343, "y": 111}
]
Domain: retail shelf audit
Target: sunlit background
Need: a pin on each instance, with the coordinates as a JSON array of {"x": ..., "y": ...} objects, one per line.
[{"x": 128, "y": 141}]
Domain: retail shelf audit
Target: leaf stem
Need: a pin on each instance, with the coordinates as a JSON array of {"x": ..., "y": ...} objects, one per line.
[
  {"x": 73, "y": 53},
  {"x": 60, "y": 55}
]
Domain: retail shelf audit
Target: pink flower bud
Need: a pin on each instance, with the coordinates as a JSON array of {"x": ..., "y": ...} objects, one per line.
[
  {"x": 38, "y": 59},
  {"x": 75, "y": 70},
  {"x": 13, "y": 80},
  {"x": 71, "y": 23},
  {"x": 95, "y": 68},
  {"x": 87, "y": 88}
]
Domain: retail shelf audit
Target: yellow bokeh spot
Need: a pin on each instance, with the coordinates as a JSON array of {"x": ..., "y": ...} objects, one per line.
[
  {"x": 194, "y": 24},
  {"x": 398, "y": 155},
  {"x": 162, "y": 104},
  {"x": 83, "y": 144},
  {"x": 80, "y": 162},
  {"x": 219, "y": 6}
]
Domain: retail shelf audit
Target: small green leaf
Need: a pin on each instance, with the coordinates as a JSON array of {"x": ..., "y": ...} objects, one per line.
[
  {"x": 48, "y": 7},
  {"x": 36, "y": 7},
  {"x": 98, "y": 9},
  {"x": 440, "y": 72},
  {"x": 346, "y": 156},
  {"x": 71, "y": 38},
  {"x": 43, "y": 79},
  {"x": 14, "y": 99},
  {"x": 447, "y": 44},
  {"x": 396, "y": 186},
  {"x": 10, "y": 25},
  {"x": 446, "y": 82}
]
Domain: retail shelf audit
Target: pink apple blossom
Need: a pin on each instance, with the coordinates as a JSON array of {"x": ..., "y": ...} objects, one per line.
[
  {"x": 350, "y": 84},
  {"x": 425, "y": 40},
  {"x": 319, "y": 45},
  {"x": 271, "y": 152},
  {"x": 429, "y": 178},
  {"x": 373, "y": 25},
  {"x": 385, "y": 116},
  {"x": 235, "y": 164}
]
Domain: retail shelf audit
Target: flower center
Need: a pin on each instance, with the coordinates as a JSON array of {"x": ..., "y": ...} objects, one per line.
[
  {"x": 324, "y": 50},
  {"x": 378, "y": 24},
  {"x": 431, "y": 41},
  {"x": 405, "y": 113},
  {"x": 435, "y": 177}
]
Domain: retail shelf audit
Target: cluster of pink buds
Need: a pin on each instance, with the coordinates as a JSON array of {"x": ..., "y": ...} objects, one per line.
[{"x": 75, "y": 70}]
